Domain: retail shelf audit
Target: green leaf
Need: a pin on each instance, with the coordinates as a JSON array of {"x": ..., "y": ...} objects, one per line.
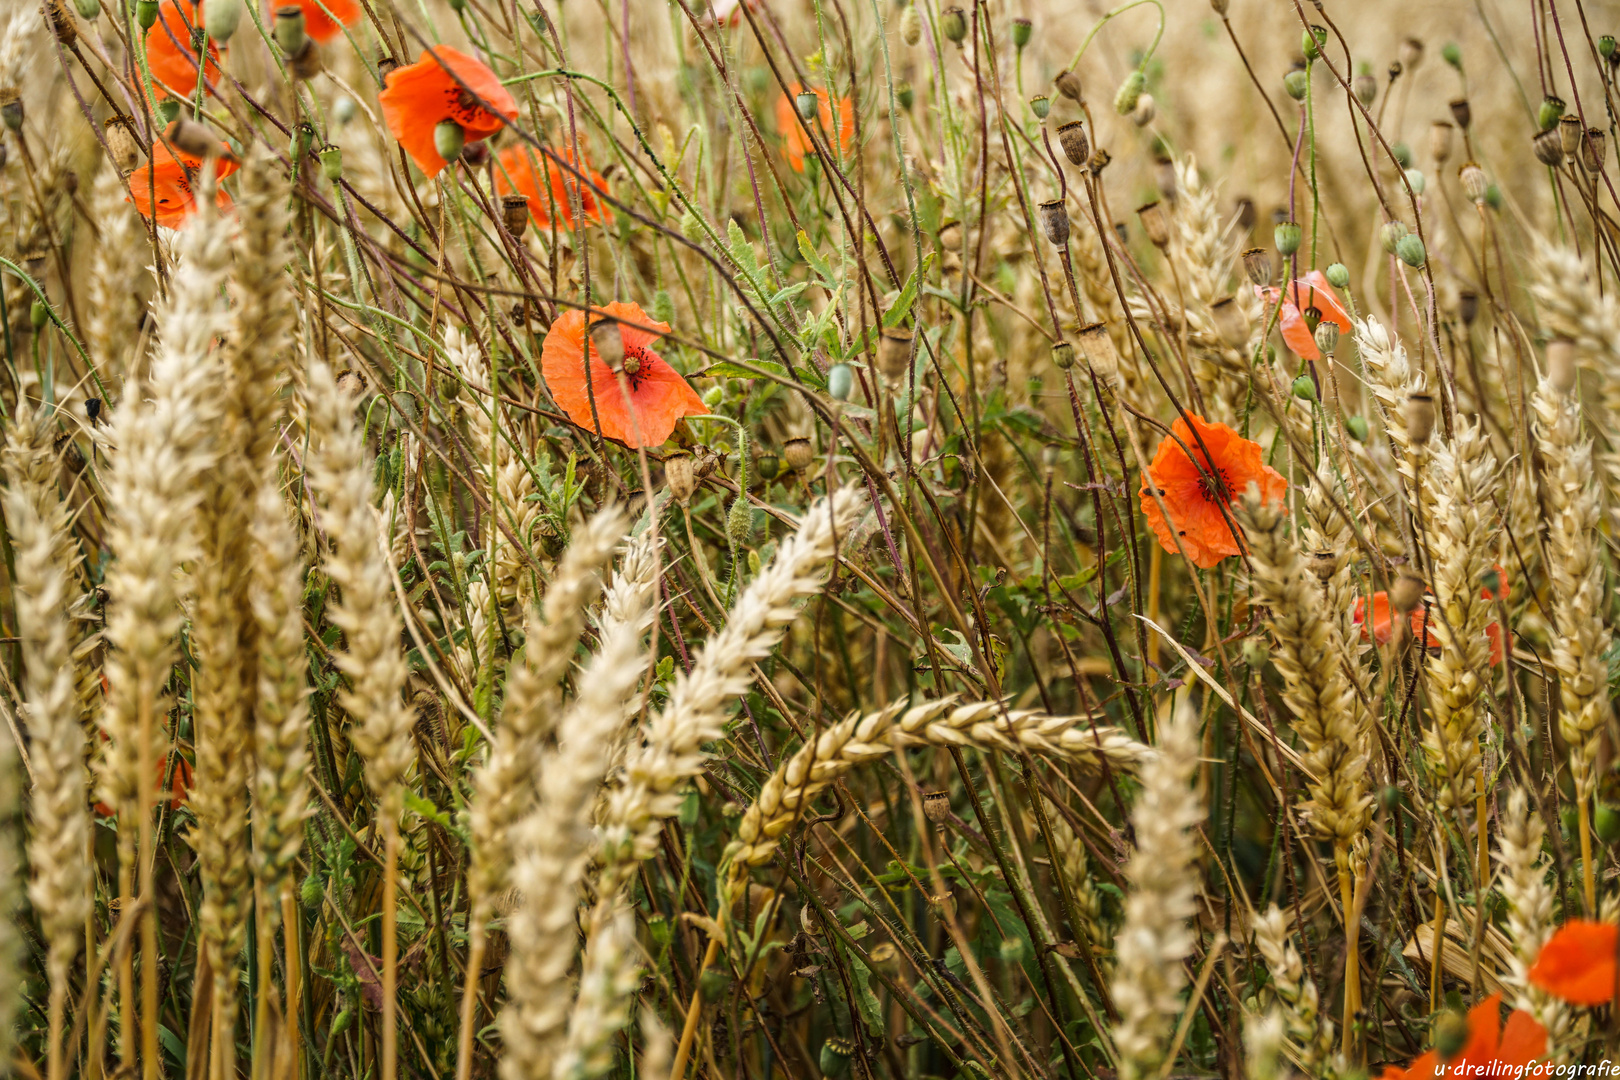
[
  {"x": 908, "y": 296},
  {"x": 175, "y": 1045},
  {"x": 790, "y": 292},
  {"x": 426, "y": 808},
  {"x": 741, "y": 249},
  {"x": 729, "y": 370},
  {"x": 866, "y": 1002},
  {"x": 817, "y": 263}
]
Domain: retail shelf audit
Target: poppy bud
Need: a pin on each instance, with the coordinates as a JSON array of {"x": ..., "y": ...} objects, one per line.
[
  {"x": 122, "y": 146},
  {"x": 221, "y": 18},
  {"x": 739, "y": 520},
  {"x": 1230, "y": 322},
  {"x": 1100, "y": 353},
  {"x": 1561, "y": 369},
  {"x": 1287, "y": 235},
  {"x": 1357, "y": 428},
  {"x": 1257, "y": 264},
  {"x": 1550, "y": 112},
  {"x": 1327, "y": 336},
  {"x": 515, "y": 213},
  {"x": 1022, "y": 29},
  {"x": 1296, "y": 83},
  {"x": 1592, "y": 150},
  {"x": 1473, "y": 180},
  {"x": 1569, "y": 134},
  {"x": 88, "y": 9},
  {"x": 448, "y": 139},
  {"x": 840, "y": 382},
  {"x": 1146, "y": 109},
  {"x": 953, "y": 24},
  {"x": 1076, "y": 147},
  {"x": 1063, "y": 356},
  {"x": 910, "y": 25},
  {"x": 1440, "y": 140},
  {"x": 904, "y": 95},
  {"x": 1389, "y": 235},
  {"x": 1311, "y": 41},
  {"x": 1129, "y": 92},
  {"x": 11, "y": 108},
  {"x": 1155, "y": 223},
  {"x": 1411, "y": 54},
  {"x": 1415, "y": 181},
  {"x": 1461, "y": 113},
  {"x": 289, "y": 30},
  {"x": 1419, "y": 417},
  {"x": 1549, "y": 148},
  {"x": 1338, "y": 275},
  {"x": 1606, "y": 48},
  {"x": 1451, "y": 54},
  {"x": 1366, "y": 88},
  {"x": 1468, "y": 306},
  {"x": 680, "y": 474},
  {"x": 1068, "y": 84},
  {"x": 38, "y": 314},
  {"x": 798, "y": 453},
  {"x": 1040, "y": 105},
  {"x": 937, "y": 807},
  {"x": 1305, "y": 387},
  {"x": 146, "y": 13},
  {"x": 1055, "y": 223},
  {"x": 1255, "y": 652},
  {"x": 894, "y": 353},
  {"x": 1410, "y": 250}
]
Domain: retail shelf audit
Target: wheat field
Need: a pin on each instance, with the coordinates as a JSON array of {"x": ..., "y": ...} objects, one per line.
[{"x": 799, "y": 538}]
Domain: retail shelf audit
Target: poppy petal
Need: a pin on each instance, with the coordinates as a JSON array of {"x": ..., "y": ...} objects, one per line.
[
  {"x": 1315, "y": 291},
  {"x": 323, "y": 27},
  {"x": 1523, "y": 1039},
  {"x": 1296, "y": 333},
  {"x": 637, "y": 410},
  {"x": 448, "y": 86},
  {"x": 1577, "y": 963}
]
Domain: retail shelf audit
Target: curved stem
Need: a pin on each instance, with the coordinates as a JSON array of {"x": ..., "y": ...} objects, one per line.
[{"x": 1122, "y": 9}]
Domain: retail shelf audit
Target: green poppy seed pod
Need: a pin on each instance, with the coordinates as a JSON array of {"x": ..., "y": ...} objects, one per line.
[
  {"x": 88, "y": 9},
  {"x": 1063, "y": 356},
  {"x": 1230, "y": 322},
  {"x": 448, "y": 139},
  {"x": 1410, "y": 251},
  {"x": 953, "y": 24},
  {"x": 1569, "y": 134},
  {"x": 1327, "y": 336},
  {"x": 1305, "y": 388},
  {"x": 807, "y": 103},
  {"x": 146, "y": 13},
  {"x": 1312, "y": 40},
  {"x": 39, "y": 314},
  {"x": 1296, "y": 83},
  {"x": 11, "y": 108},
  {"x": 1076, "y": 147},
  {"x": 835, "y": 1055},
  {"x": 1366, "y": 87},
  {"x": 840, "y": 382},
  {"x": 1357, "y": 427},
  {"x": 769, "y": 467},
  {"x": 910, "y": 25},
  {"x": 1287, "y": 235},
  {"x": 1549, "y": 148},
  {"x": 1551, "y": 111},
  {"x": 1257, "y": 264},
  {"x": 1022, "y": 30},
  {"x": 1450, "y": 1034},
  {"x": 302, "y": 141},
  {"x": 739, "y": 521},
  {"x": 290, "y": 31},
  {"x": 1415, "y": 180},
  {"x": 1068, "y": 85},
  {"x": 798, "y": 453},
  {"x": 1390, "y": 234},
  {"x": 1129, "y": 92},
  {"x": 1055, "y": 222},
  {"x": 331, "y": 163},
  {"x": 1451, "y": 53},
  {"x": 1040, "y": 105},
  {"x": 1338, "y": 276},
  {"x": 1462, "y": 113},
  {"x": 1606, "y": 823},
  {"x": 1313, "y": 317},
  {"x": 221, "y": 18},
  {"x": 904, "y": 95},
  {"x": 1606, "y": 46},
  {"x": 1473, "y": 181},
  {"x": 712, "y": 984},
  {"x": 1403, "y": 155}
]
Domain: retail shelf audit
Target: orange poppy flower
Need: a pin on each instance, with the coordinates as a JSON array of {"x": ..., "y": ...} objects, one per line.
[
  {"x": 640, "y": 413},
  {"x": 166, "y": 183},
  {"x": 1577, "y": 963},
  {"x": 1196, "y": 494},
  {"x": 420, "y": 96},
  {"x": 521, "y": 168},
  {"x": 1312, "y": 291},
  {"x": 321, "y": 26},
  {"x": 1493, "y": 1049},
  {"x": 171, "y": 53},
  {"x": 1382, "y": 622},
  {"x": 795, "y": 143}
]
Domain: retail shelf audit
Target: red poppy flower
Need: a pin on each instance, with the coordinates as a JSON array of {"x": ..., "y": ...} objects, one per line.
[
  {"x": 643, "y": 411},
  {"x": 1492, "y": 1048},
  {"x": 171, "y": 53},
  {"x": 167, "y": 184},
  {"x": 1383, "y": 621},
  {"x": 795, "y": 143},
  {"x": 521, "y": 168},
  {"x": 1312, "y": 291},
  {"x": 1577, "y": 963},
  {"x": 420, "y": 96},
  {"x": 321, "y": 26},
  {"x": 1197, "y": 494},
  {"x": 179, "y": 783}
]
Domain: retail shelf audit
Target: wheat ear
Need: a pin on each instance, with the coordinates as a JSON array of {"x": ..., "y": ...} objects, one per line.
[
  {"x": 1530, "y": 910},
  {"x": 1297, "y": 998}
]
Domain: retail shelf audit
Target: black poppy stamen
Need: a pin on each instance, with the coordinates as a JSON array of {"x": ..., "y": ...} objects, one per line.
[{"x": 1216, "y": 486}]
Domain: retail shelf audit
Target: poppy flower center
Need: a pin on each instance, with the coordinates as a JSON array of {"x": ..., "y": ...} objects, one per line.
[
  {"x": 636, "y": 363},
  {"x": 464, "y": 105},
  {"x": 1216, "y": 485}
]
